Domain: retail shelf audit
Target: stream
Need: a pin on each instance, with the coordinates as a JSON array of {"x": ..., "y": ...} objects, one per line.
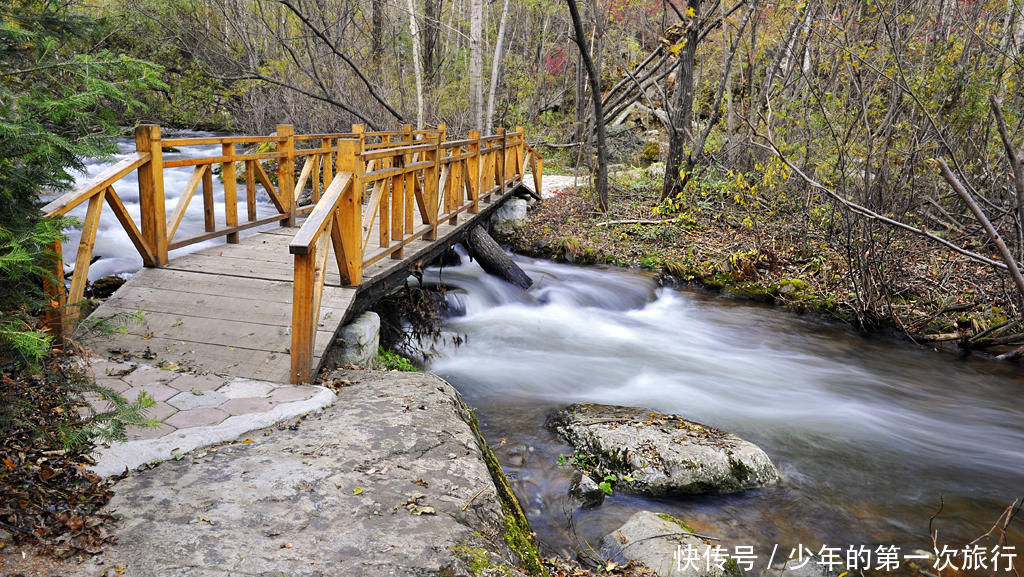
[{"x": 868, "y": 433}]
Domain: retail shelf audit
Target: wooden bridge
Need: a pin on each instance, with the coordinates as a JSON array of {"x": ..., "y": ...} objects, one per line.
[{"x": 267, "y": 306}]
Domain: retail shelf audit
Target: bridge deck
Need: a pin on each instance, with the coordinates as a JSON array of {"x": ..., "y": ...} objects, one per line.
[{"x": 227, "y": 309}]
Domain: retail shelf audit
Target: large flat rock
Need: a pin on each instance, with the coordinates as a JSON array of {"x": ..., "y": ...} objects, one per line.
[
  {"x": 661, "y": 454},
  {"x": 327, "y": 498}
]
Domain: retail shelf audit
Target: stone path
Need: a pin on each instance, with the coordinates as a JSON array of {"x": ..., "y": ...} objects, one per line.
[
  {"x": 196, "y": 409},
  {"x": 391, "y": 480}
]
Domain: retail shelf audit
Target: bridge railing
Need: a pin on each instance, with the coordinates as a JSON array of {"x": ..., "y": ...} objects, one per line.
[
  {"x": 155, "y": 234},
  {"x": 386, "y": 186}
]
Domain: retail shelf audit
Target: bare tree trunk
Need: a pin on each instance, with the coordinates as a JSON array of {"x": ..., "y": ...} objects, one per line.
[
  {"x": 682, "y": 108},
  {"x": 431, "y": 32},
  {"x": 539, "y": 63},
  {"x": 476, "y": 64},
  {"x": 417, "y": 64},
  {"x": 377, "y": 35},
  {"x": 496, "y": 68},
  {"x": 595, "y": 90}
]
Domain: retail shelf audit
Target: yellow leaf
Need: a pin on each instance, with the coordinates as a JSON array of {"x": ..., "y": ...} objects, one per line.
[
  {"x": 690, "y": 12},
  {"x": 675, "y": 49}
]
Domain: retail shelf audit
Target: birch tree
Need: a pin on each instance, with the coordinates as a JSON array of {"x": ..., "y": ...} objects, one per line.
[
  {"x": 417, "y": 64},
  {"x": 496, "y": 67}
]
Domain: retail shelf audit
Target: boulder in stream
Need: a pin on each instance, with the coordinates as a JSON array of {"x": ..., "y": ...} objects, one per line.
[
  {"x": 668, "y": 546},
  {"x": 661, "y": 455}
]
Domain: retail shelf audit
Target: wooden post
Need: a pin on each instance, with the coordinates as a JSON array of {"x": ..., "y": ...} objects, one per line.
[
  {"x": 520, "y": 152},
  {"x": 209, "y": 216},
  {"x": 151, "y": 191},
  {"x": 397, "y": 227},
  {"x": 347, "y": 230},
  {"x": 431, "y": 177},
  {"x": 286, "y": 172},
  {"x": 328, "y": 165},
  {"x": 410, "y": 181},
  {"x": 250, "y": 189},
  {"x": 360, "y": 131},
  {"x": 303, "y": 322},
  {"x": 53, "y": 315},
  {"x": 230, "y": 177},
  {"x": 453, "y": 195},
  {"x": 443, "y": 130},
  {"x": 474, "y": 171},
  {"x": 501, "y": 160}
]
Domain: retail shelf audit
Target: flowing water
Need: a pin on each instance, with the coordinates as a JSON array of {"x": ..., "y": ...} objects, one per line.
[
  {"x": 116, "y": 251},
  {"x": 869, "y": 434}
]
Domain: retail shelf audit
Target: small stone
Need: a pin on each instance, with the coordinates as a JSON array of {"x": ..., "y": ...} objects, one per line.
[
  {"x": 452, "y": 456},
  {"x": 584, "y": 491}
]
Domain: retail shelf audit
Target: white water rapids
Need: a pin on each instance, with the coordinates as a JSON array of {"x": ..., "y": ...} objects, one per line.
[{"x": 868, "y": 433}]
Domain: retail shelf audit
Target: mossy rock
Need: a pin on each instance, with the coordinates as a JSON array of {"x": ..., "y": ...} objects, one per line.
[
  {"x": 651, "y": 152},
  {"x": 662, "y": 455}
]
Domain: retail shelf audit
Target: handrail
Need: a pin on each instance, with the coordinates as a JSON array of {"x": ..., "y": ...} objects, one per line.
[{"x": 94, "y": 185}]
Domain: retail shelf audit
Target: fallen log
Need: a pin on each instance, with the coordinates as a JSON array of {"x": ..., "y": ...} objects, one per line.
[{"x": 493, "y": 260}]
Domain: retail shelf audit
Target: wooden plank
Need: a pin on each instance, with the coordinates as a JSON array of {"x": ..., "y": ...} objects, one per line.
[
  {"x": 184, "y": 199},
  {"x": 85, "y": 247},
  {"x": 114, "y": 201},
  {"x": 95, "y": 185},
  {"x": 269, "y": 186},
  {"x": 203, "y": 141},
  {"x": 371, "y": 211},
  {"x": 307, "y": 169},
  {"x": 222, "y": 159},
  {"x": 228, "y": 232},
  {"x": 396, "y": 171}
]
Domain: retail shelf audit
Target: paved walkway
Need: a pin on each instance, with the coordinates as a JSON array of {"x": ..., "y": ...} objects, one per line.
[{"x": 196, "y": 408}]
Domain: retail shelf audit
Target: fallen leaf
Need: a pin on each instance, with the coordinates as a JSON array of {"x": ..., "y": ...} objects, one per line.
[
  {"x": 357, "y": 491},
  {"x": 422, "y": 483},
  {"x": 177, "y": 323},
  {"x": 247, "y": 441},
  {"x": 147, "y": 337}
]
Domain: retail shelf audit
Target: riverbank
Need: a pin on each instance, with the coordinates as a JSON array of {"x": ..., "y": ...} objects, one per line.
[
  {"x": 935, "y": 295},
  {"x": 393, "y": 478}
]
